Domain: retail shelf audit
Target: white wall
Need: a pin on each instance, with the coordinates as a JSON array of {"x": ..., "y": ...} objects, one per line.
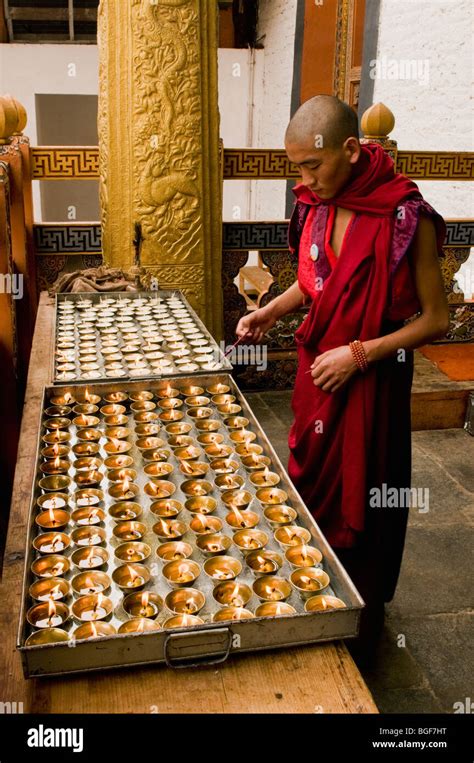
[
  {"x": 238, "y": 70},
  {"x": 277, "y": 19},
  {"x": 27, "y": 70},
  {"x": 437, "y": 115}
]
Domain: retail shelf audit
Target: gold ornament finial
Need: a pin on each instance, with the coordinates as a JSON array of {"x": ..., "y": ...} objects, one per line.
[
  {"x": 13, "y": 118},
  {"x": 377, "y": 121}
]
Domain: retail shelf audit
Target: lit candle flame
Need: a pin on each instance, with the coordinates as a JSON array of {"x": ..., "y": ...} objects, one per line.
[
  {"x": 55, "y": 590},
  {"x": 56, "y": 462},
  {"x": 202, "y": 521},
  {"x": 93, "y": 630},
  {"x": 51, "y": 610},
  {"x": 234, "y": 597},
  {"x": 55, "y": 540},
  {"x": 56, "y": 449},
  {"x": 126, "y": 485},
  {"x": 98, "y": 604},
  {"x": 239, "y": 517},
  {"x": 187, "y": 468},
  {"x": 180, "y": 549},
  {"x": 144, "y": 600},
  {"x": 52, "y": 517},
  {"x": 87, "y": 395},
  {"x": 89, "y": 557},
  {"x": 165, "y": 528},
  {"x": 261, "y": 560},
  {"x": 323, "y": 602},
  {"x": 183, "y": 572}
]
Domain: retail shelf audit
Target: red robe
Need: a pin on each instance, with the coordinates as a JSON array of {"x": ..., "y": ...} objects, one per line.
[{"x": 343, "y": 443}]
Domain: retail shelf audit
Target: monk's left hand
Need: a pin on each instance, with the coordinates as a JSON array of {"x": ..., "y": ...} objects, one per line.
[{"x": 332, "y": 369}]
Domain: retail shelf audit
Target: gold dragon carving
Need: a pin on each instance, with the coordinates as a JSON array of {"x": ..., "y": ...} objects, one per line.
[{"x": 167, "y": 115}]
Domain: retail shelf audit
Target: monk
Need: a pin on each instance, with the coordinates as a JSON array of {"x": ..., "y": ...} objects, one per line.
[{"x": 368, "y": 248}]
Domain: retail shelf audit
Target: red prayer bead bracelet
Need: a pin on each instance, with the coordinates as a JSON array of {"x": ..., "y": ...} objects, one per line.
[{"x": 358, "y": 353}]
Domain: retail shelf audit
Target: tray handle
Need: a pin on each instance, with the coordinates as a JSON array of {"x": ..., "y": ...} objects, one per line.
[{"x": 184, "y": 642}]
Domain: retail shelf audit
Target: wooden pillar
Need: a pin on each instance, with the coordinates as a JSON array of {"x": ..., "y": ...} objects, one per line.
[
  {"x": 15, "y": 153},
  {"x": 159, "y": 144}
]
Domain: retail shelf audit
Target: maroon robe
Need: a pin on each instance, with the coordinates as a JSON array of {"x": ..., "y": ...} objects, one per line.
[{"x": 365, "y": 440}]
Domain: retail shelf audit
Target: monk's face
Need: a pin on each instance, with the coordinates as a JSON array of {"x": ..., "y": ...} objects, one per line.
[{"x": 325, "y": 170}]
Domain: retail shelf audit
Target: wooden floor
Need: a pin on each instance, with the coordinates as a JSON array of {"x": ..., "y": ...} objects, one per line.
[{"x": 321, "y": 679}]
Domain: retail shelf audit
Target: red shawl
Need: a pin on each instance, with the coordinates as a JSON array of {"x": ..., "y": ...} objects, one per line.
[{"x": 331, "y": 435}]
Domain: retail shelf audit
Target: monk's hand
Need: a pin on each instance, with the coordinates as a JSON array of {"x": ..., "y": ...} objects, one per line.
[
  {"x": 332, "y": 369},
  {"x": 252, "y": 327}
]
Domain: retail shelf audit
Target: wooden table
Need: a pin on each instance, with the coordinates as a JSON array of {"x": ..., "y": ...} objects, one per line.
[{"x": 321, "y": 678}]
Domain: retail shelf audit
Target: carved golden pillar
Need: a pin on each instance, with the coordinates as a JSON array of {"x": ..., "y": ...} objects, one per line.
[{"x": 159, "y": 144}]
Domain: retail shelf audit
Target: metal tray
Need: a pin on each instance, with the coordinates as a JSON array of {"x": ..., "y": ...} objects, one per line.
[
  {"x": 74, "y": 376},
  {"x": 212, "y": 641}
]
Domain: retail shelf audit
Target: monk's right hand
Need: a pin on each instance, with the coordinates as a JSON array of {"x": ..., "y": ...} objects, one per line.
[{"x": 254, "y": 325}]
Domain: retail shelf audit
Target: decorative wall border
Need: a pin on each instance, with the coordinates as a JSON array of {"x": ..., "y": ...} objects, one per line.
[
  {"x": 85, "y": 238},
  {"x": 436, "y": 165},
  {"x": 59, "y": 163},
  {"x": 65, "y": 163},
  {"x": 67, "y": 238}
]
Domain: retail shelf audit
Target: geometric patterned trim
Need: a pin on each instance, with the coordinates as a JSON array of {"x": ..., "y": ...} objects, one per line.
[
  {"x": 59, "y": 162},
  {"x": 67, "y": 238},
  {"x": 459, "y": 233},
  {"x": 255, "y": 235},
  {"x": 436, "y": 165},
  {"x": 258, "y": 163},
  {"x": 78, "y": 238},
  {"x": 418, "y": 165}
]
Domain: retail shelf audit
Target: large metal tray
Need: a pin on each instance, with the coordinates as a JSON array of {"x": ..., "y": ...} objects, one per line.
[
  {"x": 213, "y": 641},
  {"x": 220, "y": 363}
]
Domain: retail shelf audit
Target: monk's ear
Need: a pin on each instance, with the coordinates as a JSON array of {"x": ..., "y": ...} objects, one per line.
[{"x": 352, "y": 149}]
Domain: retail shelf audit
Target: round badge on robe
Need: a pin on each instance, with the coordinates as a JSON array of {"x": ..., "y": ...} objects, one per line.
[{"x": 314, "y": 252}]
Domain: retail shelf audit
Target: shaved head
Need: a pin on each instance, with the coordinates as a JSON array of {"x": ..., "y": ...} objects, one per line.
[
  {"x": 324, "y": 122},
  {"x": 322, "y": 140}
]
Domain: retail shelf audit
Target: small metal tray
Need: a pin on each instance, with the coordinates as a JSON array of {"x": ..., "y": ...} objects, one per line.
[
  {"x": 157, "y": 299},
  {"x": 211, "y": 641}
]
